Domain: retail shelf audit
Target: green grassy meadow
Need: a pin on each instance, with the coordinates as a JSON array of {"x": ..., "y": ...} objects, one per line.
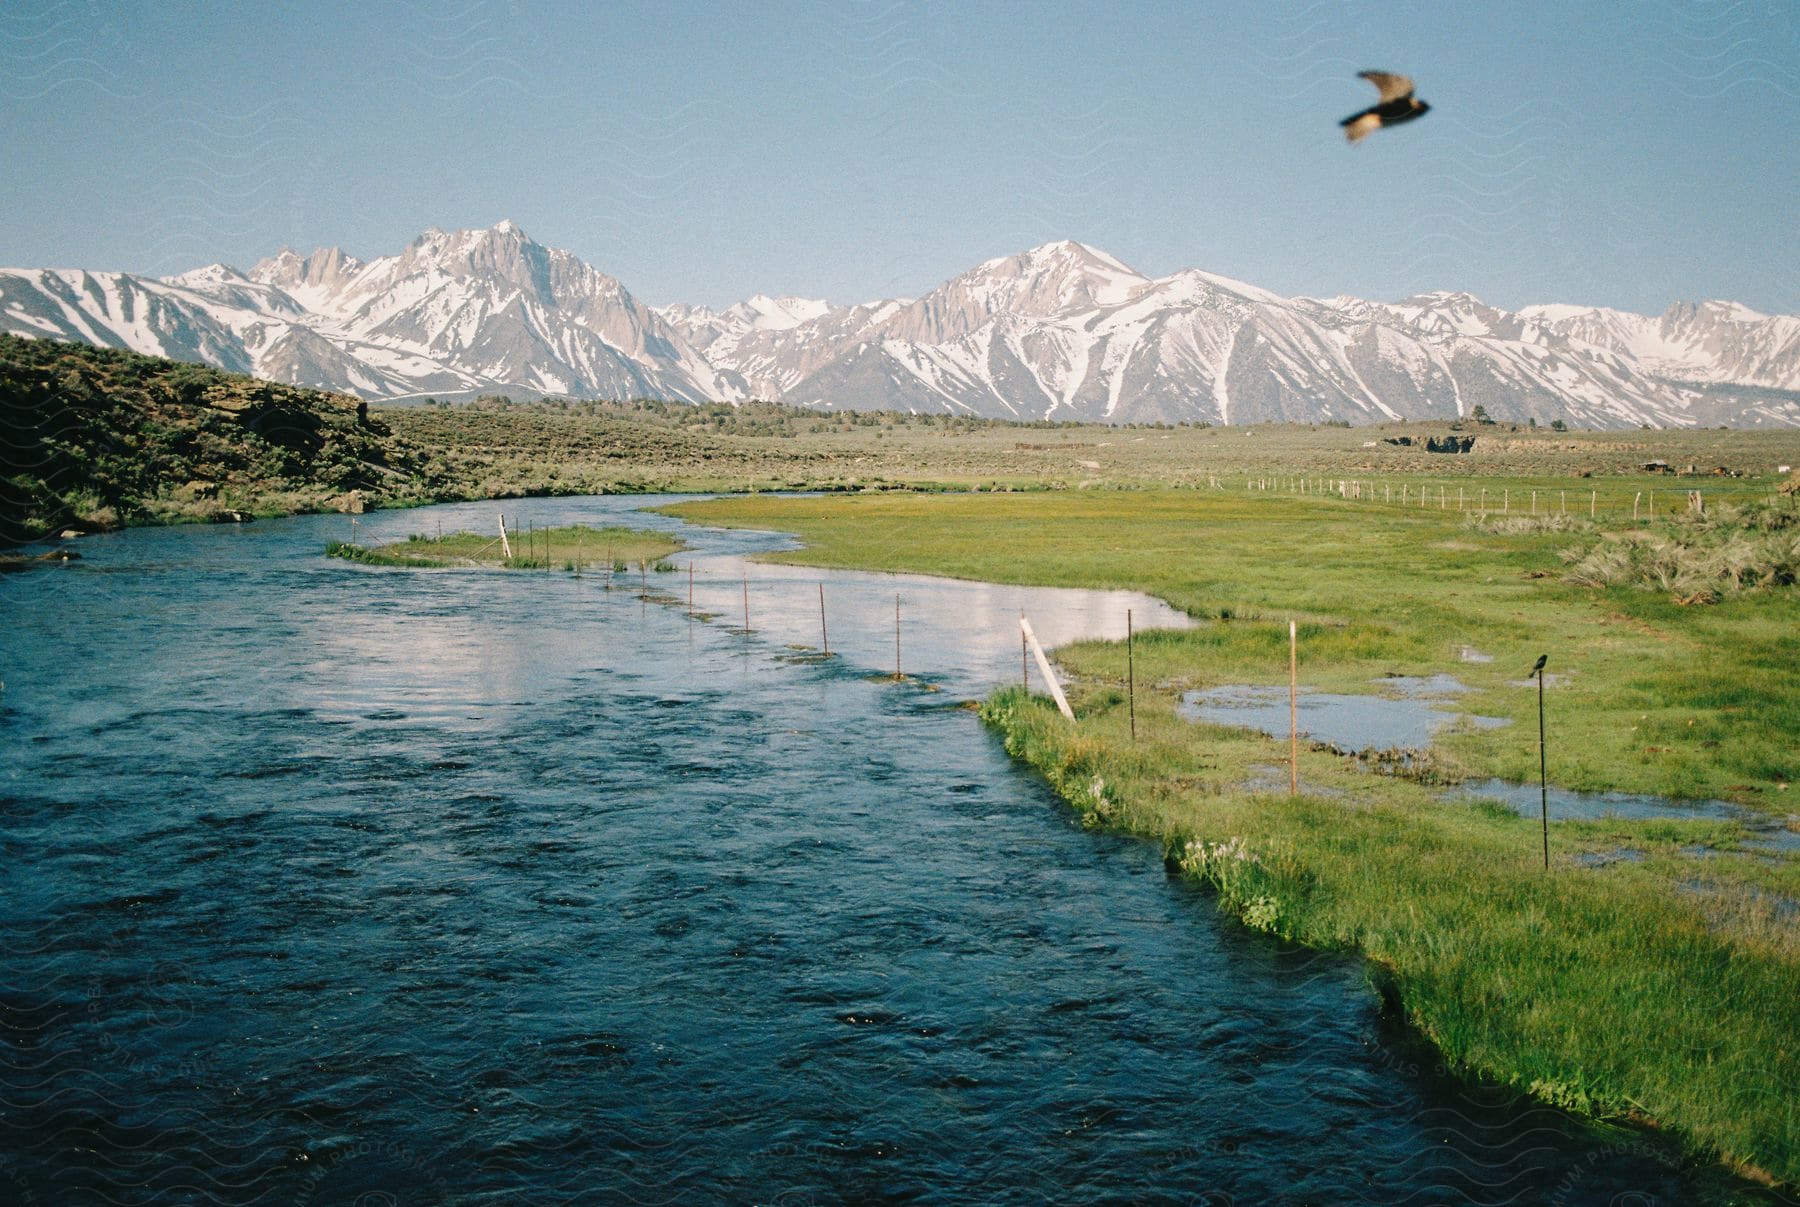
[{"x": 1659, "y": 987}]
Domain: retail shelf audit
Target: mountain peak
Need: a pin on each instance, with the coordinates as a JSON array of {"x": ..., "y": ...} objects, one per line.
[
  {"x": 1731, "y": 312},
  {"x": 1559, "y": 312},
  {"x": 1073, "y": 249},
  {"x": 211, "y": 274},
  {"x": 1062, "y": 255},
  {"x": 764, "y": 313},
  {"x": 1047, "y": 279},
  {"x": 319, "y": 272},
  {"x": 1446, "y": 297},
  {"x": 505, "y": 231}
]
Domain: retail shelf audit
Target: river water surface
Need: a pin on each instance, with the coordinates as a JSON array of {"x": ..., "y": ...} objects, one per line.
[{"x": 336, "y": 884}]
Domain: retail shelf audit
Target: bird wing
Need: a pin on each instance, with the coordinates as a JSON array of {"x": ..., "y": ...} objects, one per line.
[
  {"x": 1392, "y": 87},
  {"x": 1361, "y": 126}
]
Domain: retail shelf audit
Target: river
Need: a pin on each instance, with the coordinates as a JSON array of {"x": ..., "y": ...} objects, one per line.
[{"x": 328, "y": 883}]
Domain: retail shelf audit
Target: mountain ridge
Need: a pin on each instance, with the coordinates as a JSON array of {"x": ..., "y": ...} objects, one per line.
[{"x": 1060, "y": 331}]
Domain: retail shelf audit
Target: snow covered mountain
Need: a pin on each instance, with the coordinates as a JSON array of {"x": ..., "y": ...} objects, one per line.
[
  {"x": 1063, "y": 331},
  {"x": 453, "y": 314},
  {"x": 1708, "y": 341},
  {"x": 503, "y": 311},
  {"x": 753, "y": 339},
  {"x": 1066, "y": 331}
]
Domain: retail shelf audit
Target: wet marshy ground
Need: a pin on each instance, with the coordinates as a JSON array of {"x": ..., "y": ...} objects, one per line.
[{"x": 1403, "y": 715}]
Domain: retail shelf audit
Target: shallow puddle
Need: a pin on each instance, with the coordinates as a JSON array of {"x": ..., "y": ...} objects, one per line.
[
  {"x": 1407, "y": 719},
  {"x": 1767, "y": 832}
]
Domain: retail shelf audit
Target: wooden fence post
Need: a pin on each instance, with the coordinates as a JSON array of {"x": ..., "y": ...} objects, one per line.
[
  {"x": 1293, "y": 709},
  {"x": 1043, "y": 661},
  {"x": 1130, "y": 676}
]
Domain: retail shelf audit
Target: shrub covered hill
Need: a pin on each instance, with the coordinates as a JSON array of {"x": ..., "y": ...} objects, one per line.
[{"x": 93, "y": 438}]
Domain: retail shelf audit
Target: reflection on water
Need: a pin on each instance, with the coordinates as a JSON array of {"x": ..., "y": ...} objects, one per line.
[{"x": 337, "y": 884}]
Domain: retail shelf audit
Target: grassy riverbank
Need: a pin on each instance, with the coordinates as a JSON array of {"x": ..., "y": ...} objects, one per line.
[
  {"x": 571, "y": 547},
  {"x": 1658, "y": 986}
]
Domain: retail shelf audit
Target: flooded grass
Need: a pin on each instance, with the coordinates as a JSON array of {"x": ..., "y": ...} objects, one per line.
[
  {"x": 571, "y": 547},
  {"x": 1526, "y": 801},
  {"x": 1407, "y": 718}
]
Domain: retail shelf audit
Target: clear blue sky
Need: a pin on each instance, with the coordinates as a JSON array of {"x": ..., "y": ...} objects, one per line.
[{"x": 1618, "y": 154}]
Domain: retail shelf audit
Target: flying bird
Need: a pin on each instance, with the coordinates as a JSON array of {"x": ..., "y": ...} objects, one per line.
[{"x": 1397, "y": 104}]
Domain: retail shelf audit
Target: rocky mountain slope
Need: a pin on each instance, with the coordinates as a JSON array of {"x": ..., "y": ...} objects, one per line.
[{"x": 1063, "y": 331}]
